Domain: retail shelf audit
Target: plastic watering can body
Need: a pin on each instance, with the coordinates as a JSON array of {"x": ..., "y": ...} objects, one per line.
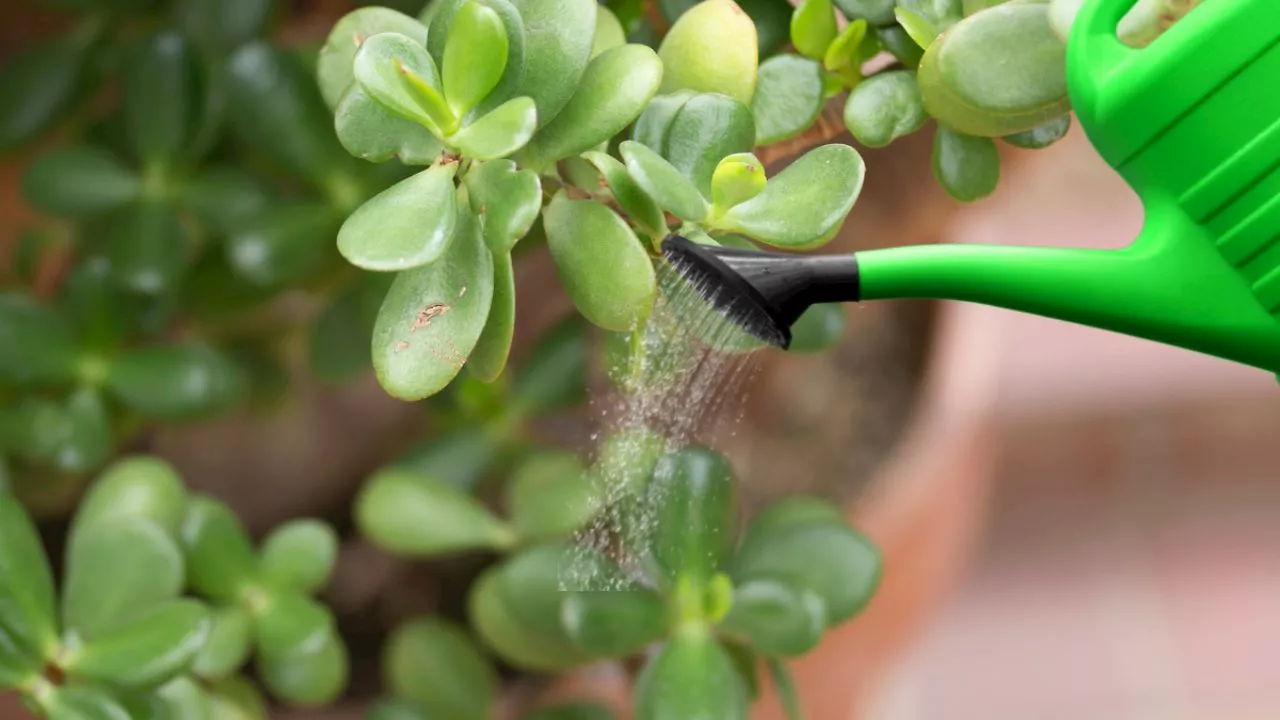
[{"x": 1192, "y": 123}]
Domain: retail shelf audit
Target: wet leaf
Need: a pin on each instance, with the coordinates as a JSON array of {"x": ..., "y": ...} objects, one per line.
[
  {"x": 371, "y": 132},
  {"x": 818, "y": 328},
  {"x": 615, "y": 623},
  {"x": 692, "y": 491},
  {"x": 176, "y": 382},
  {"x": 553, "y": 377},
  {"x": 299, "y": 555},
  {"x": 220, "y": 560},
  {"x": 549, "y": 496},
  {"x": 337, "y": 55},
  {"x": 83, "y": 702},
  {"x": 813, "y": 28},
  {"x": 437, "y": 665},
  {"x": 967, "y": 167},
  {"x": 37, "y": 346},
  {"x": 507, "y": 199},
  {"x": 737, "y": 179},
  {"x": 117, "y": 571},
  {"x": 227, "y": 648},
  {"x": 489, "y": 358},
  {"x": 500, "y": 133},
  {"x": 654, "y": 123},
  {"x": 406, "y": 226},
  {"x": 875, "y": 12},
  {"x": 776, "y": 619},
  {"x": 290, "y": 624},
  {"x": 339, "y": 342},
  {"x": 160, "y": 98},
  {"x": 28, "y": 625},
  {"x": 475, "y": 56},
  {"x": 614, "y": 90},
  {"x": 788, "y": 99},
  {"x": 78, "y": 180},
  {"x": 804, "y": 205},
  {"x": 409, "y": 514},
  {"x": 633, "y": 200},
  {"x": 690, "y": 677},
  {"x": 399, "y": 73},
  {"x": 283, "y": 245},
  {"x": 308, "y": 679},
  {"x": 147, "y": 651},
  {"x": 558, "y": 39},
  {"x": 711, "y": 48},
  {"x": 433, "y": 316},
  {"x": 1041, "y": 136},
  {"x": 601, "y": 264},
  {"x": 663, "y": 182},
  {"x": 707, "y": 129},
  {"x": 884, "y": 108},
  {"x": 609, "y": 32}
]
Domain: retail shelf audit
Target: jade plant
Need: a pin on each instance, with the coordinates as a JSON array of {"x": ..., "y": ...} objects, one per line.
[{"x": 222, "y": 216}]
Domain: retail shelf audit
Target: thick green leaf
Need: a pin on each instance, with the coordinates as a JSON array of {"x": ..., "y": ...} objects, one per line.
[
  {"x": 228, "y": 645},
  {"x": 614, "y": 90},
  {"x": 236, "y": 698},
  {"x": 633, "y": 200},
  {"x": 967, "y": 167},
  {"x": 875, "y": 12},
  {"x": 82, "y": 702},
  {"x": 707, "y": 129},
  {"x": 102, "y": 313},
  {"x": 82, "y": 439},
  {"x": 601, "y": 264},
  {"x": 160, "y": 98},
  {"x": 442, "y": 14},
  {"x": 884, "y": 108},
  {"x": 220, "y": 561},
  {"x": 999, "y": 72},
  {"x": 459, "y": 458},
  {"x": 509, "y": 84},
  {"x": 78, "y": 180},
  {"x": 534, "y": 582},
  {"x": 549, "y": 496},
  {"x": 28, "y": 627},
  {"x": 436, "y": 664},
  {"x": 776, "y": 619},
  {"x": 147, "y": 651},
  {"x": 339, "y": 342},
  {"x": 737, "y": 179},
  {"x": 409, "y": 514},
  {"x": 609, "y": 32},
  {"x": 489, "y": 358},
  {"x": 553, "y": 377},
  {"x": 772, "y": 19},
  {"x": 690, "y": 677},
  {"x": 848, "y": 51},
  {"x": 283, "y": 245},
  {"x": 398, "y": 72},
  {"x": 506, "y": 199},
  {"x": 182, "y": 699},
  {"x": 711, "y": 48},
  {"x": 789, "y": 96},
  {"x": 219, "y": 27},
  {"x": 290, "y": 624},
  {"x": 277, "y": 110},
  {"x": 786, "y": 688},
  {"x": 32, "y": 428},
  {"x": 663, "y": 182},
  {"x": 40, "y": 83},
  {"x": 176, "y": 382},
  {"x": 299, "y": 555},
  {"x": 493, "y": 614},
  {"x": 308, "y": 679},
  {"x": 226, "y": 197},
  {"x": 433, "y": 316},
  {"x": 805, "y": 204},
  {"x": 558, "y": 40},
  {"x": 406, "y": 226},
  {"x": 615, "y": 624},
  {"x": 371, "y": 132},
  {"x": 921, "y": 31},
  {"x": 900, "y": 45},
  {"x": 118, "y": 570},
  {"x": 626, "y": 459},
  {"x": 941, "y": 14},
  {"x": 654, "y": 123},
  {"x": 1041, "y": 136},
  {"x": 813, "y": 28},
  {"x": 37, "y": 345},
  {"x": 692, "y": 491},
  {"x": 334, "y": 62},
  {"x": 818, "y": 328},
  {"x": 147, "y": 245},
  {"x": 500, "y": 133},
  {"x": 475, "y": 56}
]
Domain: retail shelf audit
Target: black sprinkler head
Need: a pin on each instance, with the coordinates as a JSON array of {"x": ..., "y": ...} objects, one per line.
[{"x": 763, "y": 292}]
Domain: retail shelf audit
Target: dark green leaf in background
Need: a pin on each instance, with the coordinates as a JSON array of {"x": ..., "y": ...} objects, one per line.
[
  {"x": 78, "y": 180},
  {"x": 176, "y": 382},
  {"x": 37, "y": 346},
  {"x": 436, "y": 664}
]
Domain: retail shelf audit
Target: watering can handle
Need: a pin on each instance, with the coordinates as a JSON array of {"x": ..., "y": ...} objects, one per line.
[{"x": 1094, "y": 49}]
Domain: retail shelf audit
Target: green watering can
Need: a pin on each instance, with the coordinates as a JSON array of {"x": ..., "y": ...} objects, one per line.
[{"x": 1191, "y": 122}]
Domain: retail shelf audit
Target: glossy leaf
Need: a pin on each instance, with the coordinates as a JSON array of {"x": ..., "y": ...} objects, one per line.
[
  {"x": 433, "y": 316},
  {"x": 176, "y": 382},
  {"x": 299, "y": 555},
  {"x": 399, "y": 73},
  {"x": 553, "y": 377},
  {"x": 615, "y": 624},
  {"x": 228, "y": 645},
  {"x": 500, "y": 133},
  {"x": 371, "y": 132},
  {"x": 147, "y": 651},
  {"x": 900, "y": 44},
  {"x": 117, "y": 571},
  {"x": 967, "y": 167},
  {"x": 614, "y": 90},
  {"x": 493, "y": 614},
  {"x": 819, "y": 328},
  {"x": 289, "y": 624},
  {"x": 409, "y": 514},
  {"x": 308, "y": 679},
  {"x": 875, "y": 12},
  {"x": 707, "y": 129},
  {"x": 489, "y": 358},
  {"x": 28, "y": 627},
  {"x": 40, "y": 83},
  {"x": 663, "y": 182},
  {"x": 654, "y": 123},
  {"x": 776, "y": 619},
  {"x": 804, "y": 205},
  {"x": 475, "y": 56},
  {"x": 406, "y": 226},
  {"x": 220, "y": 560},
  {"x": 788, "y": 99},
  {"x": 217, "y": 28},
  {"x": 146, "y": 243},
  {"x": 711, "y": 48},
  {"x": 1041, "y": 136},
  {"x": 437, "y": 665},
  {"x": 690, "y": 677},
  {"x": 334, "y": 63},
  {"x": 507, "y": 199},
  {"x": 966, "y": 88},
  {"x": 559, "y": 36},
  {"x": 813, "y": 28},
  {"x": 844, "y": 53},
  {"x": 601, "y": 264},
  {"x": 509, "y": 84},
  {"x": 78, "y": 180},
  {"x": 884, "y": 108},
  {"x": 226, "y": 197},
  {"x": 642, "y": 209},
  {"x": 549, "y": 496},
  {"x": 921, "y": 31},
  {"x": 283, "y": 245},
  {"x": 609, "y": 32},
  {"x": 160, "y": 98},
  {"x": 737, "y": 179},
  {"x": 692, "y": 491},
  {"x": 83, "y": 702},
  {"x": 37, "y": 346},
  {"x": 339, "y": 341}
]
